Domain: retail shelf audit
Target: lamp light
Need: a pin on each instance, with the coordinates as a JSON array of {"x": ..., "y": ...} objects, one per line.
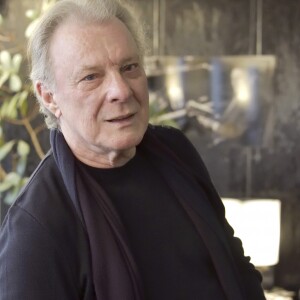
[{"x": 257, "y": 223}]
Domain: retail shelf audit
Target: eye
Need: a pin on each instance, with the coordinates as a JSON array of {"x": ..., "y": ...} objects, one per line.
[
  {"x": 129, "y": 67},
  {"x": 89, "y": 77}
]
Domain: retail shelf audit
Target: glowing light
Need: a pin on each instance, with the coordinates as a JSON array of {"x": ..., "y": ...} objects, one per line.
[
  {"x": 257, "y": 224},
  {"x": 175, "y": 92},
  {"x": 243, "y": 93}
]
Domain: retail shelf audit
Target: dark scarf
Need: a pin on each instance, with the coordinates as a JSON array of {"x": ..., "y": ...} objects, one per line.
[{"x": 115, "y": 273}]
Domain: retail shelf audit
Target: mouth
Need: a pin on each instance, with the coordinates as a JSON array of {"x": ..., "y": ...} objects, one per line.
[{"x": 121, "y": 118}]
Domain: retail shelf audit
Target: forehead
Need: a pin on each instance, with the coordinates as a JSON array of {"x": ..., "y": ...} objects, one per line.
[{"x": 76, "y": 41}]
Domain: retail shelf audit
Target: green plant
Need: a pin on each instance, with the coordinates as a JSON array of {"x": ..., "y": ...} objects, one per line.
[
  {"x": 18, "y": 108},
  {"x": 158, "y": 111}
]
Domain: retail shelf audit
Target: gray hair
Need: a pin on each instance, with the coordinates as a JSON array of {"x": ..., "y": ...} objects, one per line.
[{"x": 85, "y": 11}]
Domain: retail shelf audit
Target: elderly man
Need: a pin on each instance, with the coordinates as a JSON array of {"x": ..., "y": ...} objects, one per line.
[{"x": 118, "y": 209}]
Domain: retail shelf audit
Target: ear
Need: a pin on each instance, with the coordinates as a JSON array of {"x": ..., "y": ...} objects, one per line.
[{"x": 47, "y": 98}]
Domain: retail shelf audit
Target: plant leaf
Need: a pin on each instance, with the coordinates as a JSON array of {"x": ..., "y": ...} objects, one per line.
[
  {"x": 21, "y": 165},
  {"x": 15, "y": 83},
  {"x": 11, "y": 109},
  {"x": 4, "y": 109},
  {"x": 23, "y": 108},
  {"x": 11, "y": 195},
  {"x": 4, "y": 77},
  {"x": 15, "y": 189},
  {"x": 16, "y": 62},
  {"x": 10, "y": 180},
  {"x": 22, "y": 103},
  {"x": 6, "y": 148},
  {"x": 23, "y": 181},
  {"x": 5, "y": 59},
  {"x": 5, "y": 185},
  {"x": 23, "y": 97},
  {"x": 23, "y": 148}
]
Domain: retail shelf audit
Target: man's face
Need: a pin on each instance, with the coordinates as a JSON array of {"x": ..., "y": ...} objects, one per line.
[{"x": 100, "y": 93}]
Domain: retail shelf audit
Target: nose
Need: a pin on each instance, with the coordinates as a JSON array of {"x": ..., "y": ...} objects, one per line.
[{"x": 118, "y": 88}]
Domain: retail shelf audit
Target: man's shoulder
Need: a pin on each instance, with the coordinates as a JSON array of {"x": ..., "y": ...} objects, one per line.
[
  {"x": 44, "y": 195},
  {"x": 163, "y": 129},
  {"x": 44, "y": 205},
  {"x": 167, "y": 134},
  {"x": 179, "y": 145},
  {"x": 42, "y": 231},
  {"x": 45, "y": 182},
  {"x": 174, "y": 139}
]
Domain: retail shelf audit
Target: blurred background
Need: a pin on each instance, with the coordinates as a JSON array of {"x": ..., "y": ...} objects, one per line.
[{"x": 226, "y": 72}]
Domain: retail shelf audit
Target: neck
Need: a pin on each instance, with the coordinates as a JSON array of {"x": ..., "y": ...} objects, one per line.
[{"x": 113, "y": 159}]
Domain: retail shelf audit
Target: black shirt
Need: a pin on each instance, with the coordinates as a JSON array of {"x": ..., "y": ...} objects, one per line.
[{"x": 171, "y": 257}]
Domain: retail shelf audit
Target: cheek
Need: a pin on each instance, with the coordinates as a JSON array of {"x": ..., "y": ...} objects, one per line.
[{"x": 142, "y": 90}]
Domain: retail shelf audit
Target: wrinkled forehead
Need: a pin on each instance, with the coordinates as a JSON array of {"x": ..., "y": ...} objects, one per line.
[
  {"x": 73, "y": 32},
  {"x": 92, "y": 44}
]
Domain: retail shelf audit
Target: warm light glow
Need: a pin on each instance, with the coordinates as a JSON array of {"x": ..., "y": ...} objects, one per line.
[
  {"x": 257, "y": 224},
  {"x": 175, "y": 92},
  {"x": 241, "y": 86},
  {"x": 243, "y": 94}
]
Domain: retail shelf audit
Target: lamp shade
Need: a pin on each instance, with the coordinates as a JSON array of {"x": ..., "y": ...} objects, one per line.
[{"x": 257, "y": 223}]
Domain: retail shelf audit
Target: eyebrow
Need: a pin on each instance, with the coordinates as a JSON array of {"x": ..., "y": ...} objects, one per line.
[
  {"x": 84, "y": 69},
  {"x": 93, "y": 68},
  {"x": 129, "y": 59}
]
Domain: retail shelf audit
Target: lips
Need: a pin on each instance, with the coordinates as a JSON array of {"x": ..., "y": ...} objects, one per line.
[{"x": 121, "y": 118}]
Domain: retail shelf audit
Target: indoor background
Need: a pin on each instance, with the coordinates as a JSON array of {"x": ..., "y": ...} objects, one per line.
[{"x": 222, "y": 28}]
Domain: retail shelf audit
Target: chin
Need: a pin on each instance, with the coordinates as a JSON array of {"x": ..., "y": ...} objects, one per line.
[{"x": 130, "y": 141}]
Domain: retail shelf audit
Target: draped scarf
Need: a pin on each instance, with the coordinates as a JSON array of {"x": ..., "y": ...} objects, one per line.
[{"x": 115, "y": 274}]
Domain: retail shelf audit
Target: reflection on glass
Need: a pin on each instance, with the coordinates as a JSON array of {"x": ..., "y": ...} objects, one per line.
[{"x": 230, "y": 96}]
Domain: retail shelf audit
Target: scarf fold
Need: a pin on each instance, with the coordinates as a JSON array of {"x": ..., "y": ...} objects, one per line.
[{"x": 115, "y": 273}]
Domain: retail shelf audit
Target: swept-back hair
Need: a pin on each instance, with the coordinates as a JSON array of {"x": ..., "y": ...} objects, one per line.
[{"x": 85, "y": 11}]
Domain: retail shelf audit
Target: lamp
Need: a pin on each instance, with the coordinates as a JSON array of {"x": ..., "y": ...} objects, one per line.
[{"x": 257, "y": 223}]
